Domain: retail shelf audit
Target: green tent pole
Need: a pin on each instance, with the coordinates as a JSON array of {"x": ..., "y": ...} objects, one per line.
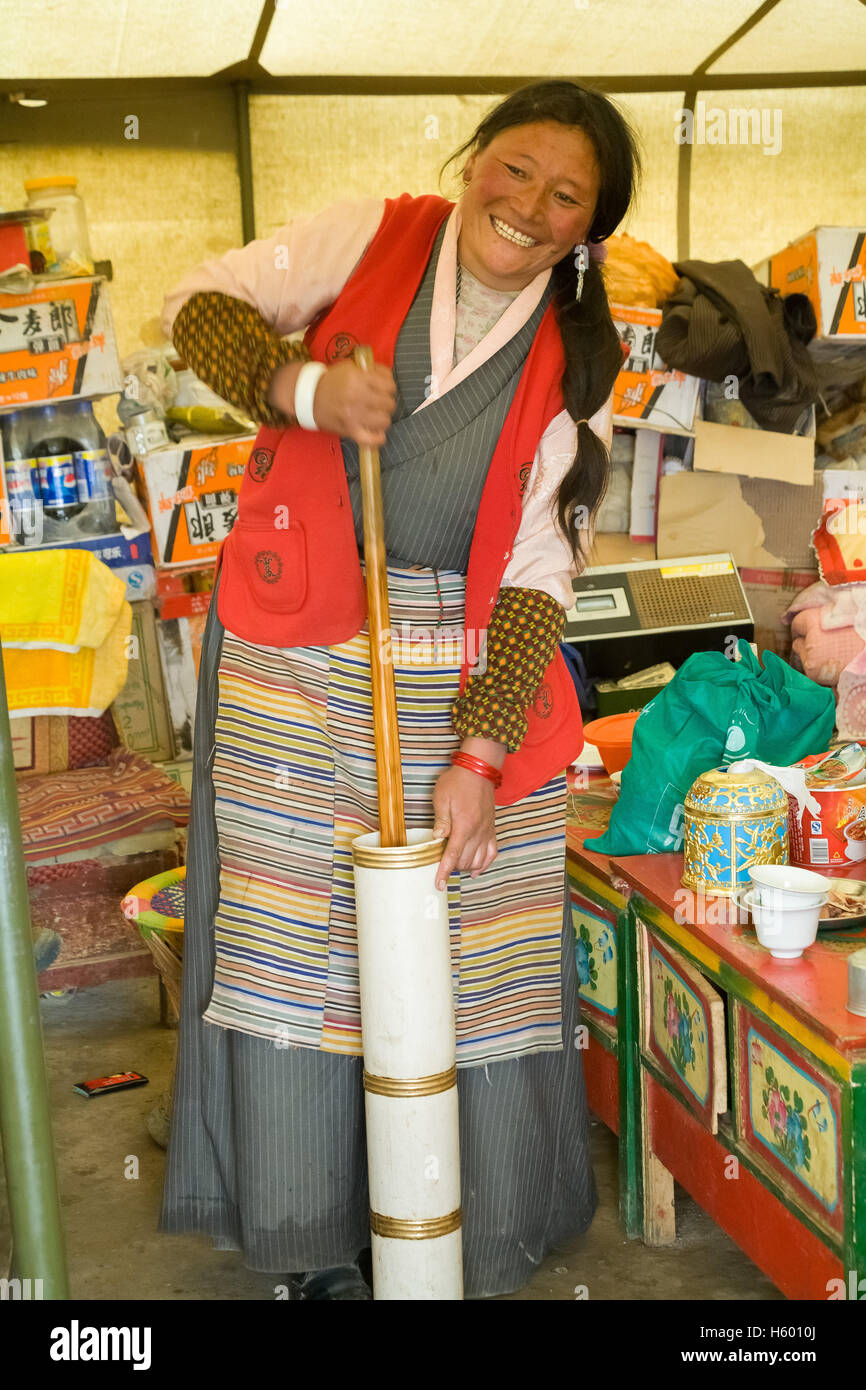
[{"x": 25, "y": 1120}]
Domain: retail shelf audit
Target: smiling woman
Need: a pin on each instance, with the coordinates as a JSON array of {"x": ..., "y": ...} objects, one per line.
[
  {"x": 540, "y": 203},
  {"x": 489, "y": 400},
  {"x": 551, "y": 168}
]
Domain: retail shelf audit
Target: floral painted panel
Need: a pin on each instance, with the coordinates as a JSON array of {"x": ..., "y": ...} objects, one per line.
[
  {"x": 792, "y": 1115},
  {"x": 595, "y": 957},
  {"x": 678, "y": 1024}
]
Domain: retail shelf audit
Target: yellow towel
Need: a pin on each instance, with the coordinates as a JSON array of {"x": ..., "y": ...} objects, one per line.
[
  {"x": 64, "y": 599},
  {"x": 43, "y": 681}
]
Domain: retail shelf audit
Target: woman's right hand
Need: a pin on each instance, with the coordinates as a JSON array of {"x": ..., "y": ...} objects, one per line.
[{"x": 349, "y": 400}]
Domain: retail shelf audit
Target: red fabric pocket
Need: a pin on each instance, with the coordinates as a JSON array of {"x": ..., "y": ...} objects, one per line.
[{"x": 273, "y": 563}]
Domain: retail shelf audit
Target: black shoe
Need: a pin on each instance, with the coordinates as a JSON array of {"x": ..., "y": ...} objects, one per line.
[{"x": 345, "y": 1283}]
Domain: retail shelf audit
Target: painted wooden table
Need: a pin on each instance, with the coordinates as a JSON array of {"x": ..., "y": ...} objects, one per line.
[{"x": 739, "y": 1076}]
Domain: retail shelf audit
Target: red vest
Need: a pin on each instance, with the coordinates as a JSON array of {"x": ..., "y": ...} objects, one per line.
[{"x": 290, "y": 569}]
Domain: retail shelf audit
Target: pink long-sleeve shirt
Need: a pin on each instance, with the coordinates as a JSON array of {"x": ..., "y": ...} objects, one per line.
[{"x": 291, "y": 276}]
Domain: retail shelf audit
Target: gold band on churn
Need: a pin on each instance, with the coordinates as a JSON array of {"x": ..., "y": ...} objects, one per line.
[
  {"x": 398, "y": 856},
  {"x": 406, "y": 1088},
  {"x": 396, "y": 1228}
]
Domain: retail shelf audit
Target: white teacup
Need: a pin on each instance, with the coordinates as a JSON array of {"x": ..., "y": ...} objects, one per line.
[
  {"x": 855, "y": 848},
  {"x": 784, "y": 888},
  {"x": 784, "y": 932}
]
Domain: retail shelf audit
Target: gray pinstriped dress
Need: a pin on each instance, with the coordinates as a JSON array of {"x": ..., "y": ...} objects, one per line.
[{"x": 267, "y": 1152}]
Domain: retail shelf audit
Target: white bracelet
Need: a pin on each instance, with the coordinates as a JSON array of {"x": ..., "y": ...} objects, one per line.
[{"x": 305, "y": 389}]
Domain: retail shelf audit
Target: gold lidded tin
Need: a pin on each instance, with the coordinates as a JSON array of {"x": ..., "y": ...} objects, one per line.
[{"x": 732, "y": 821}]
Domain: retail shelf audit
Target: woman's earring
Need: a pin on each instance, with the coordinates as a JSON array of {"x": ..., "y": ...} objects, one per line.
[{"x": 581, "y": 261}]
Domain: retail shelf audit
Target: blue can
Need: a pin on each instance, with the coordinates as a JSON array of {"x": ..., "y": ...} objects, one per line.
[
  {"x": 57, "y": 482},
  {"x": 22, "y": 484},
  {"x": 91, "y": 473}
]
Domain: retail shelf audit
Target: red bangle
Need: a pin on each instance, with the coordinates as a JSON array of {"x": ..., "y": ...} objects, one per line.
[{"x": 473, "y": 764}]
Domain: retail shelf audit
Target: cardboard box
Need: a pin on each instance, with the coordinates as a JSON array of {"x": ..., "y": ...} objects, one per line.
[
  {"x": 118, "y": 551},
  {"x": 184, "y": 606},
  {"x": 39, "y": 744},
  {"x": 754, "y": 453},
  {"x": 646, "y": 392},
  {"x": 191, "y": 496},
  {"x": 770, "y": 593},
  {"x": 141, "y": 709},
  {"x": 619, "y": 549},
  {"x": 58, "y": 342},
  {"x": 194, "y": 579},
  {"x": 180, "y": 770},
  {"x": 828, "y": 265},
  {"x": 764, "y": 525}
]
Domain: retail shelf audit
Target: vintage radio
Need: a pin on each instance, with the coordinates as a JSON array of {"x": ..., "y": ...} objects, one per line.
[{"x": 629, "y": 616}]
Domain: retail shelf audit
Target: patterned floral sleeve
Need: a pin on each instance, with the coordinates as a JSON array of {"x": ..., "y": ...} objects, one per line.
[
  {"x": 525, "y": 628},
  {"x": 232, "y": 350}
]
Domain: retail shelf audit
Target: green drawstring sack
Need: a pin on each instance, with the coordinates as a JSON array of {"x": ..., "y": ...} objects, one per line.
[{"x": 714, "y": 711}]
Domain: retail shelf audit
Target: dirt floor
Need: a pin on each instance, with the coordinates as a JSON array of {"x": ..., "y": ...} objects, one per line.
[{"x": 111, "y": 1180}]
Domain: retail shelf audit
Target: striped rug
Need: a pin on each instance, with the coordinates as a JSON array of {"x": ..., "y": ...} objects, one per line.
[{"x": 294, "y": 779}]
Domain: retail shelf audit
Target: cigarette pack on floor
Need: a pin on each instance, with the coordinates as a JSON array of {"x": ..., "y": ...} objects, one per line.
[
  {"x": 57, "y": 342},
  {"x": 828, "y": 265},
  {"x": 191, "y": 493},
  {"x": 835, "y": 835},
  {"x": 646, "y": 392}
]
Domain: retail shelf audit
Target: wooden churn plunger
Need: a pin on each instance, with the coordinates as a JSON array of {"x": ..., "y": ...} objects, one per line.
[{"x": 407, "y": 1004}]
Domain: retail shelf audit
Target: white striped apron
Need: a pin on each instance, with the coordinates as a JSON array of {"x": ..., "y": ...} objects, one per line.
[{"x": 294, "y": 778}]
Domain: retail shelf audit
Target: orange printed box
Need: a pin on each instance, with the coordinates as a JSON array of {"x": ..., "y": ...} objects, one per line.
[
  {"x": 57, "y": 342},
  {"x": 828, "y": 265},
  {"x": 647, "y": 392},
  {"x": 191, "y": 494}
]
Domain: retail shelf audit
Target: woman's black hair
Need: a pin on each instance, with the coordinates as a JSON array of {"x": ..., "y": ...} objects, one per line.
[{"x": 592, "y": 349}]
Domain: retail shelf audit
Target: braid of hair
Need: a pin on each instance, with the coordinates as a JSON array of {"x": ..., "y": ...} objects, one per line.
[{"x": 592, "y": 361}]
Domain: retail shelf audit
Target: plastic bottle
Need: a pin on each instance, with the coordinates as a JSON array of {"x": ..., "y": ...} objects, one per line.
[
  {"x": 93, "y": 471},
  {"x": 69, "y": 236},
  {"x": 22, "y": 479},
  {"x": 55, "y": 455}
]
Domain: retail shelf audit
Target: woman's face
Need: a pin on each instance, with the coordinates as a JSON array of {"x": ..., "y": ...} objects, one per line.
[{"x": 537, "y": 182}]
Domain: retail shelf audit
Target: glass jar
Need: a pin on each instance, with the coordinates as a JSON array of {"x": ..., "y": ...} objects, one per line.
[
  {"x": 67, "y": 222},
  {"x": 146, "y": 431}
]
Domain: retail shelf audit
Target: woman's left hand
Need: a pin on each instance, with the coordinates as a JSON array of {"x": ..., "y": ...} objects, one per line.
[{"x": 464, "y": 811}]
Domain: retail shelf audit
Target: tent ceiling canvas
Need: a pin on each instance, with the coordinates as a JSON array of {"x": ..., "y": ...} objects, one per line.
[
  {"x": 451, "y": 37},
  {"x": 69, "y": 39},
  {"x": 821, "y": 35},
  {"x": 124, "y": 38}
]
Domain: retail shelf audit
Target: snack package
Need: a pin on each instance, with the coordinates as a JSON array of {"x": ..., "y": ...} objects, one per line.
[
  {"x": 839, "y": 542},
  {"x": 635, "y": 273},
  {"x": 835, "y": 835}
]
